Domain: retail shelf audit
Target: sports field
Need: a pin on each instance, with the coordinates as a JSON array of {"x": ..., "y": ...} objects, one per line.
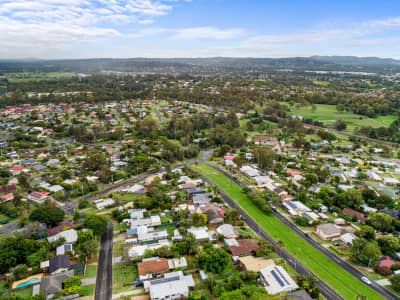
[
  {"x": 328, "y": 114},
  {"x": 338, "y": 279}
]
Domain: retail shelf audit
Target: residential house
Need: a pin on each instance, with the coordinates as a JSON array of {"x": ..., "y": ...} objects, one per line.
[
  {"x": 59, "y": 263},
  {"x": 53, "y": 284},
  {"x": 103, "y": 203},
  {"x": 70, "y": 236},
  {"x": 60, "y": 227},
  {"x": 227, "y": 231},
  {"x": 174, "y": 285},
  {"x": 328, "y": 231},
  {"x": 155, "y": 266},
  {"x": 348, "y": 238},
  {"x": 276, "y": 280},
  {"x": 138, "y": 251},
  {"x": 352, "y": 213},
  {"x": 244, "y": 247},
  {"x": 255, "y": 264}
]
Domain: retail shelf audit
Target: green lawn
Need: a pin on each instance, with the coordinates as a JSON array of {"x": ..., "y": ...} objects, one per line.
[
  {"x": 326, "y": 113},
  {"x": 124, "y": 272},
  {"x": 88, "y": 290},
  {"x": 337, "y": 278},
  {"x": 24, "y": 294},
  {"x": 91, "y": 271}
]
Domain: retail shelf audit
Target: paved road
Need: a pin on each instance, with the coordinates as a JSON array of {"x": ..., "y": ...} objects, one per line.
[
  {"x": 346, "y": 266},
  {"x": 104, "y": 270},
  {"x": 326, "y": 291},
  {"x": 121, "y": 120},
  {"x": 160, "y": 117}
]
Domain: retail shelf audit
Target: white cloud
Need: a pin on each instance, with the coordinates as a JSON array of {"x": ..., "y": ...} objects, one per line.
[
  {"x": 208, "y": 32},
  {"x": 53, "y": 23}
]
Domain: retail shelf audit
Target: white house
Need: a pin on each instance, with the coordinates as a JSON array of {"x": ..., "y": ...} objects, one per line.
[
  {"x": 276, "y": 280},
  {"x": 70, "y": 236}
]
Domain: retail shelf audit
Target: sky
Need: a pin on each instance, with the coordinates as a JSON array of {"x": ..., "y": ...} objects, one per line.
[{"x": 54, "y": 29}]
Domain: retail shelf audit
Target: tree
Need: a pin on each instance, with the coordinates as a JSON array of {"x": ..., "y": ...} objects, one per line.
[
  {"x": 97, "y": 223},
  {"x": 366, "y": 232},
  {"x": 302, "y": 221},
  {"x": 265, "y": 248},
  {"x": 19, "y": 271},
  {"x": 381, "y": 222},
  {"x": 14, "y": 250},
  {"x": 340, "y": 124},
  {"x": 95, "y": 161},
  {"x": 86, "y": 245},
  {"x": 214, "y": 260},
  {"x": 366, "y": 253},
  {"x": 49, "y": 215},
  {"x": 389, "y": 245},
  {"x": 72, "y": 281},
  {"x": 395, "y": 280},
  {"x": 199, "y": 219}
]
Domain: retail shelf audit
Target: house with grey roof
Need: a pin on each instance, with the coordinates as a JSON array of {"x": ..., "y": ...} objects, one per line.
[
  {"x": 174, "y": 285},
  {"x": 53, "y": 284}
]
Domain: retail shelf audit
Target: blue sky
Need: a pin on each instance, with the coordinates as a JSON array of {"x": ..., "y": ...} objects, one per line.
[{"x": 198, "y": 28}]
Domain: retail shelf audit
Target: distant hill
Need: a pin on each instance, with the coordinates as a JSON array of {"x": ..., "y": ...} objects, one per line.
[{"x": 213, "y": 65}]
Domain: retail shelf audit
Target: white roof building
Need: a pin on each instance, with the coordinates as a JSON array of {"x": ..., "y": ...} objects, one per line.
[
  {"x": 348, "y": 238},
  {"x": 138, "y": 251},
  {"x": 70, "y": 236},
  {"x": 276, "y": 280},
  {"x": 174, "y": 285},
  {"x": 103, "y": 203}
]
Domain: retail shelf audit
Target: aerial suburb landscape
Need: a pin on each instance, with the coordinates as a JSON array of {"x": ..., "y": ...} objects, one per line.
[{"x": 199, "y": 150}]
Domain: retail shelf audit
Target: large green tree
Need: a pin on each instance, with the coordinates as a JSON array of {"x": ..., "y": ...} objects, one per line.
[{"x": 49, "y": 215}]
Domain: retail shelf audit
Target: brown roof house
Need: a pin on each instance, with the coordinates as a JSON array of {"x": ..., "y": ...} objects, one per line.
[
  {"x": 155, "y": 266},
  {"x": 351, "y": 213},
  {"x": 60, "y": 227},
  {"x": 244, "y": 247}
]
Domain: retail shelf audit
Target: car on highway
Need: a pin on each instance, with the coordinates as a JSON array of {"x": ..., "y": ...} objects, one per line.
[
  {"x": 366, "y": 280},
  {"x": 308, "y": 235}
]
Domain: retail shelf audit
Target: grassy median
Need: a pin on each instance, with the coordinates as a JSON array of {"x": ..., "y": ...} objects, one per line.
[{"x": 338, "y": 279}]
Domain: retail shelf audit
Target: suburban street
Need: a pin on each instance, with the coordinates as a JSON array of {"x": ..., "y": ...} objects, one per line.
[
  {"x": 122, "y": 121},
  {"x": 160, "y": 117},
  {"x": 104, "y": 271},
  {"x": 353, "y": 271}
]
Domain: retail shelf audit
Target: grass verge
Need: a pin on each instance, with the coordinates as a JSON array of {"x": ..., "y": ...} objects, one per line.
[{"x": 338, "y": 279}]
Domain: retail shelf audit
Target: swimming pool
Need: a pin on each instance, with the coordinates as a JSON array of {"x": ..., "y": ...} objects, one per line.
[{"x": 29, "y": 282}]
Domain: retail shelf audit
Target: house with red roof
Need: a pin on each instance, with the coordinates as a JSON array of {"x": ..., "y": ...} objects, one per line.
[
  {"x": 293, "y": 173},
  {"x": 38, "y": 197},
  {"x": 7, "y": 197},
  {"x": 16, "y": 169}
]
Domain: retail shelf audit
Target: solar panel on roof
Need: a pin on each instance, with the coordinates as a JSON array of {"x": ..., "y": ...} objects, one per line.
[
  {"x": 277, "y": 278},
  {"x": 291, "y": 205},
  {"x": 164, "y": 280},
  {"x": 283, "y": 277}
]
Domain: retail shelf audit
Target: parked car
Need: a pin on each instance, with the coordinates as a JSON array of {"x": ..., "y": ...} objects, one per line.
[{"x": 308, "y": 235}]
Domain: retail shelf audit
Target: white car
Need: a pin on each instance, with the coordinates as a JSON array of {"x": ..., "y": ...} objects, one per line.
[{"x": 366, "y": 280}]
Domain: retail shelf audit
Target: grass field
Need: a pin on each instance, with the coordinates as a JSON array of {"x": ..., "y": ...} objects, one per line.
[
  {"x": 328, "y": 113},
  {"x": 91, "y": 271},
  {"x": 27, "y": 76},
  {"x": 337, "y": 278},
  {"x": 124, "y": 273},
  {"x": 88, "y": 290}
]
